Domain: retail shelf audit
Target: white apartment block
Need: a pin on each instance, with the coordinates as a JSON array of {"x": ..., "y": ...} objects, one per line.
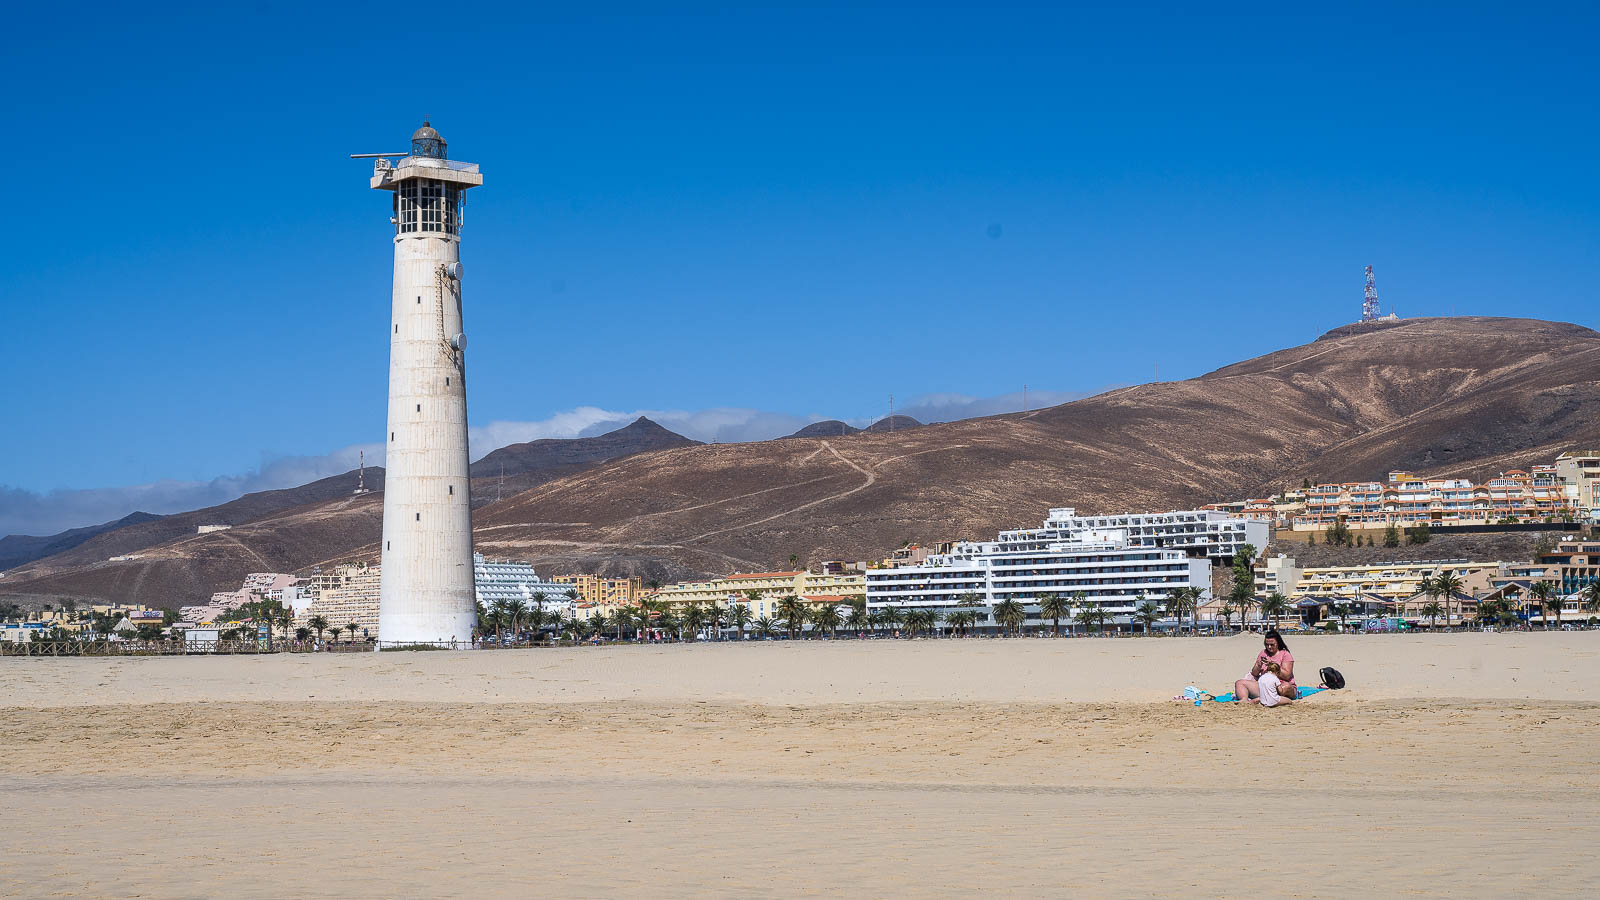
[
  {"x": 497, "y": 580},
  {"x": 1198, "y": 532}
]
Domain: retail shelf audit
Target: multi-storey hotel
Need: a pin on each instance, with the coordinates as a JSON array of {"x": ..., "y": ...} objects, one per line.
[
  {"x": 1106, "y": 566},
  {"x": 1386, "y": 580},
  {"x": 1198, "y": 532},
  {"x": 1406, "y": 500},
  {"x": 498, "y": 580},
  {"x": 763, "y": 591},
  {"x": 600, "y": 595}
]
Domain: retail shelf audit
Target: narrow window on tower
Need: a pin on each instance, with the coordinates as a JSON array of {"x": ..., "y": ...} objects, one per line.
[
  {"x": 452, "y": 490},
  {"x": 391, "y": 437},
  {"x": 419, "y": 407},
  {"x": 419, "y": 517},
  {"x": 386, "y": 545}
]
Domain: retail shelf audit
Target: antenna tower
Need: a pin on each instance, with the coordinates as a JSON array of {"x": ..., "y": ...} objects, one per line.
[
  {"x": 361, "y": 475},
  {"x": 1369, "y": 305}
]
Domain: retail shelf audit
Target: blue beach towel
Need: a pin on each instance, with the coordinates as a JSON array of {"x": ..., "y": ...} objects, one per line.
[{"x": 1228, "y": 697}]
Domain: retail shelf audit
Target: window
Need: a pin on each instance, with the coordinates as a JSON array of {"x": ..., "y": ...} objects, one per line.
[
  {"x": 391, "y": 437},
  {"x": 397, "y": 329},
  {"x": 419, "y": 407},
  {"x": 419, "y": 517},
  {"x": 386, "y": 545},
  {"x": 452, "y": 209},
  {"x": 407, "y": 197},
  {"x": 452, "y": 490},
  {"x": 431, "y": 201}
]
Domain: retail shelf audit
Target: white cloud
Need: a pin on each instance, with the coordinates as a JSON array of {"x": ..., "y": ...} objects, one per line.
[{"x": 28, "y": 512}]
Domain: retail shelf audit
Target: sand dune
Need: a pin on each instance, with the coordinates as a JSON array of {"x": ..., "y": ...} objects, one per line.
[{"x": 1453, "y": 765}]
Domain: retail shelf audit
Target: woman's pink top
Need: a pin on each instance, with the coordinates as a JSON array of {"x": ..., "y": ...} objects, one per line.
[{"x": 1282, "y": 658}]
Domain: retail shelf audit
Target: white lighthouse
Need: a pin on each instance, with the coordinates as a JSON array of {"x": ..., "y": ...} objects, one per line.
[{"x": 427, "y": 585}]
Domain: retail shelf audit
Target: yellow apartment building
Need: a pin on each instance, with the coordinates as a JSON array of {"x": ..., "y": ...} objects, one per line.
[{"x": 769, "y": 588}]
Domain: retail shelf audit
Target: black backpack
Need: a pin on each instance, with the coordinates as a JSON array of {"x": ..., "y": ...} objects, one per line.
[{"x": 1332, "y": 678}]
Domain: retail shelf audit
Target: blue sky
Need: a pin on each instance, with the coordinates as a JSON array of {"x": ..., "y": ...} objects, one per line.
[{"x": 743, "y": 218}]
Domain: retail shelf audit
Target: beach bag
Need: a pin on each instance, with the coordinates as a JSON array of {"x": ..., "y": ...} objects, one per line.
[{"x": 1332, "y": 678}]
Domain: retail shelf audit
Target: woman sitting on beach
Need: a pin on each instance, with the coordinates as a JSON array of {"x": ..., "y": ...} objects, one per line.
[{"x": 1271, "y": 680}]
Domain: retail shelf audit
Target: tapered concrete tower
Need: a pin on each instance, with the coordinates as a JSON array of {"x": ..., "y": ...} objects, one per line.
[{"x": 427, "y": 589}]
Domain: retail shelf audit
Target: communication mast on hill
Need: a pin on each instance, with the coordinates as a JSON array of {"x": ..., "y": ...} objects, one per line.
[
  {"x": 1369, "y": 305},
  {"x": 361, "y": 475}
]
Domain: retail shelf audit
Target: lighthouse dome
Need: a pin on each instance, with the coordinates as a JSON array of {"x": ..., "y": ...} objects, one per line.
[{"x": 427, "y": 142}]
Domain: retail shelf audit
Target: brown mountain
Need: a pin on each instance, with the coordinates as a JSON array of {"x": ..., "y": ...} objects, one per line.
[
  {"x": 287, "y": 529},
  {"x": 893, "y": 423},
  {"x": 536, "y": 462},
  {"x": 827, "y": 428},
  {"x": 1467, "y": 396},
  {"x": 16, "y": 549}
]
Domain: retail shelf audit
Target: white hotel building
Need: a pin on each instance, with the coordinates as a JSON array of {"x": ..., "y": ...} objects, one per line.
[
  {"x": 1209, "y": 533},
  {"x": 1106, "y": 566},
  {"x": 497, "y": 580}
]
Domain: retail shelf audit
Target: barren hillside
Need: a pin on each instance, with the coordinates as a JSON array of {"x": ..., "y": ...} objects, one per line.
[{"x": 1467, "y": 396}]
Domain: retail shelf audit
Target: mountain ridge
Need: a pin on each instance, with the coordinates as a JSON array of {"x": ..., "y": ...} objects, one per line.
[{"x": 1460, "y": 396}]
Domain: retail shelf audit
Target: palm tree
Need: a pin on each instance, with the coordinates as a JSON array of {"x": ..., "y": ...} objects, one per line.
[
  {"x": 285, "y": 619},
  {"x": 1076, "y": 601},
  {"x": 334, "y": 632},
  {"x": 1148, "y": 612},
  {"x": 741, "y": 616},
  {"x": 1245, "y": 602},
  {"x": 826, "y": 617},
  {"x": 1544, "y": 593},
  {"x": 1226, "y": 611},
  {"x": 1445, "y": 585},
  {"x": 1010, "y": 615},
  {"x": 793, "y": 614},
  {"x": 858, "y": 619},
  {"x": 516, "y": 608},
  {"x": 1591, "y": 596},
  {"x": 1487, "y": 611},
  {"x": 597, "y": 623},
  {"x": 959, "y": 619},
  {"x": 974, "y": 601},
  {"x": 1186, "y": 598},
  {"x": 1342, "y": 610},
  {"x": 319, "y": 625},
  {"x": 1087, "y": 615},
  {"x": 765, "y": 627},
  {"x": 302, "y": 634},
  {"x": 1055, "y": 607},
  {"x": 573, "y": 628},
  {"x": 914, "y": 619},
  {"x": 1274, "y": 606},
  {"x": 351, "y": 630},
  {"x": 1432, "y": 609},
  {"x": 694, "y": 616}
]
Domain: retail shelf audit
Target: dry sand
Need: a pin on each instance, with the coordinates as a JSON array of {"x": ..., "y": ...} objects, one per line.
[{"x": 1453, "y": 765}]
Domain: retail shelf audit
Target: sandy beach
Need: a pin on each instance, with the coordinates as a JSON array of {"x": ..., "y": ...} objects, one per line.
[{"x": 1453, "y": 765}]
